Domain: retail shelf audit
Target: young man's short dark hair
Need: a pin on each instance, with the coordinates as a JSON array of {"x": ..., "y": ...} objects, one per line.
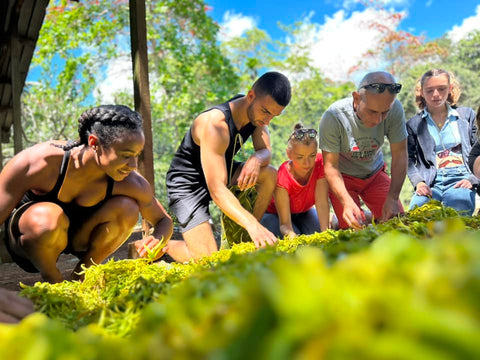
[{"x": 274, "y": 84}]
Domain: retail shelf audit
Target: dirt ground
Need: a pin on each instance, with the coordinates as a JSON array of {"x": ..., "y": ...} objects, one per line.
[{"x": 11, "y": 274}]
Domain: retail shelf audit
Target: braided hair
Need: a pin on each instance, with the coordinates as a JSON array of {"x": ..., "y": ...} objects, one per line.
[{"x": 109, "y": 122}]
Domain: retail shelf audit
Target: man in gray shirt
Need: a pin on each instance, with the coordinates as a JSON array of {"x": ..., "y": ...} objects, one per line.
[{"x": 351, "y": 136}]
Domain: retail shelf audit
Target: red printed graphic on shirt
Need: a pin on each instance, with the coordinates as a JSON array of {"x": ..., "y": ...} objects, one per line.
[
  {"x": 450, "y": 157},
  {"x": 364, "y": 149}
]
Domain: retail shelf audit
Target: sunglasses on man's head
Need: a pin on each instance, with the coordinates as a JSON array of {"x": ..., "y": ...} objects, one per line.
[
  {"x": 300, "y": 133},
  {"x": 379, "y": 88}
]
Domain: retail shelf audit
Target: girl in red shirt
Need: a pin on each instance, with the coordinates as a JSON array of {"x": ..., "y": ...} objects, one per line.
[{"x": 300, "y": 204}]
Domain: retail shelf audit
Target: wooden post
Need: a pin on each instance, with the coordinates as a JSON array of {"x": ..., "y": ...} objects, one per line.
[
  {"x": 16, "y": 93},
  {"x": 141, "y": 91}
]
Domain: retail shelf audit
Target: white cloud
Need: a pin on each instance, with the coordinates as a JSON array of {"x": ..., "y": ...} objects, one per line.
[
  {"x": 118, "y": 77},
  {"x": 469, "y": 24},
  {"x": 341, "y": 42},
  {"x": 234, "y": 25},
  {"x": 349, "y": 4}
]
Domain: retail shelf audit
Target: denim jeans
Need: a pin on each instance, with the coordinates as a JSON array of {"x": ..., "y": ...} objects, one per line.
[
  {"x": 305, "y": 223},
  {"x": 462, "y": 200}
]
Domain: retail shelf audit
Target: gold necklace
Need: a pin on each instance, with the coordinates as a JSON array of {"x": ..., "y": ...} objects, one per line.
[{"x": 440, "y": 123}]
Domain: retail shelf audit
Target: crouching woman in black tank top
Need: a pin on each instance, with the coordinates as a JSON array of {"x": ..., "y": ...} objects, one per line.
[{"x": 81, "y": 197}]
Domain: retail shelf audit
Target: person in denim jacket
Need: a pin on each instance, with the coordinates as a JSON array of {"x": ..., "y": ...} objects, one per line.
[{"x": 440, "y": 137}]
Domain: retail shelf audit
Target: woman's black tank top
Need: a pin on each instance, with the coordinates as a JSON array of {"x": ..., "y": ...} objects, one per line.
[{"x": 71, "y": 209}]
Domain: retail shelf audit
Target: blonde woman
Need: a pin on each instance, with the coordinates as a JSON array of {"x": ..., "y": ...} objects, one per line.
[{"x": 300, "y": 204}]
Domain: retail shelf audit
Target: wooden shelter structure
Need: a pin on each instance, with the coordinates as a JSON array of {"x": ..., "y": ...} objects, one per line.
[{"x": 20, "y": 24}]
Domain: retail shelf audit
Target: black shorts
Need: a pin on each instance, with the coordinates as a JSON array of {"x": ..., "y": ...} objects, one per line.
[
  {"x": 13, "y": 233},
  {"x": 191, "y": 204},
  {"x": 190, "y": 208}
]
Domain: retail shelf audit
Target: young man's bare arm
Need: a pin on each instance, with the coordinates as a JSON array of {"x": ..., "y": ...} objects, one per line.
[
  {"x": 214, "y": 139},
  {"x": 248, "y": 176},
  {"x": 476, "y": 167}
]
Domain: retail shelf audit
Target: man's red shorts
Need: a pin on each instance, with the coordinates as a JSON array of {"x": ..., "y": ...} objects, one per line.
[{"x": 373, "y": 192}]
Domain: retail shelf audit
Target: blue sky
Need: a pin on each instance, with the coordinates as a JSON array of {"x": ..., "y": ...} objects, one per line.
[
  {"x": 340, "y": 32},
  {"x": 432, "y": 17}
]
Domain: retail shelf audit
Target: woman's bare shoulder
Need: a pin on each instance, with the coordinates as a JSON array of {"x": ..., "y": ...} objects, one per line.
[
  {"x": 43, "y": 154},
  {"x": 35, "y": 168},
  {"x": 38, "y": 159}
]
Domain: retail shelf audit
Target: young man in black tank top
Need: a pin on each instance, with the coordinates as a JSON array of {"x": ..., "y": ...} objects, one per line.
[{"x": 201, "y": 168}]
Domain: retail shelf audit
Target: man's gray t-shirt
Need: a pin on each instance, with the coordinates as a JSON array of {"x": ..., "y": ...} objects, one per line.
[{"x": 359, "y": 147}]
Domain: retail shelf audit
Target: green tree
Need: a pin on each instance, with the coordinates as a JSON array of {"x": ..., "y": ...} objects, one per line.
[
  {"x": 399, "y": 50},
  {"x": 187, "y": 70},
  {"x": 312, "y": 93},
  {"x": 465, "y": 63},
  {"x": 311, "y": 97},
  {"x": 74, "y": 42},
  {"x": 250, "y": 53},
  {"x": 467, "y": 51},
  {"x": 461, "y": 64}
]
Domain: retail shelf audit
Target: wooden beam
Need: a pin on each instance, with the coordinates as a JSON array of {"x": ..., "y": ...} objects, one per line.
[
  {"x": 11, "y": 4},
  {"x": 26, "y": 41},
  {"x": 5, "y": 135},
  {"x": 17, "y": 85},
  {"x": 25, "y": 14},
  {"x": 141, "y": 90},
  {"x": 36, "y": 21}
]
